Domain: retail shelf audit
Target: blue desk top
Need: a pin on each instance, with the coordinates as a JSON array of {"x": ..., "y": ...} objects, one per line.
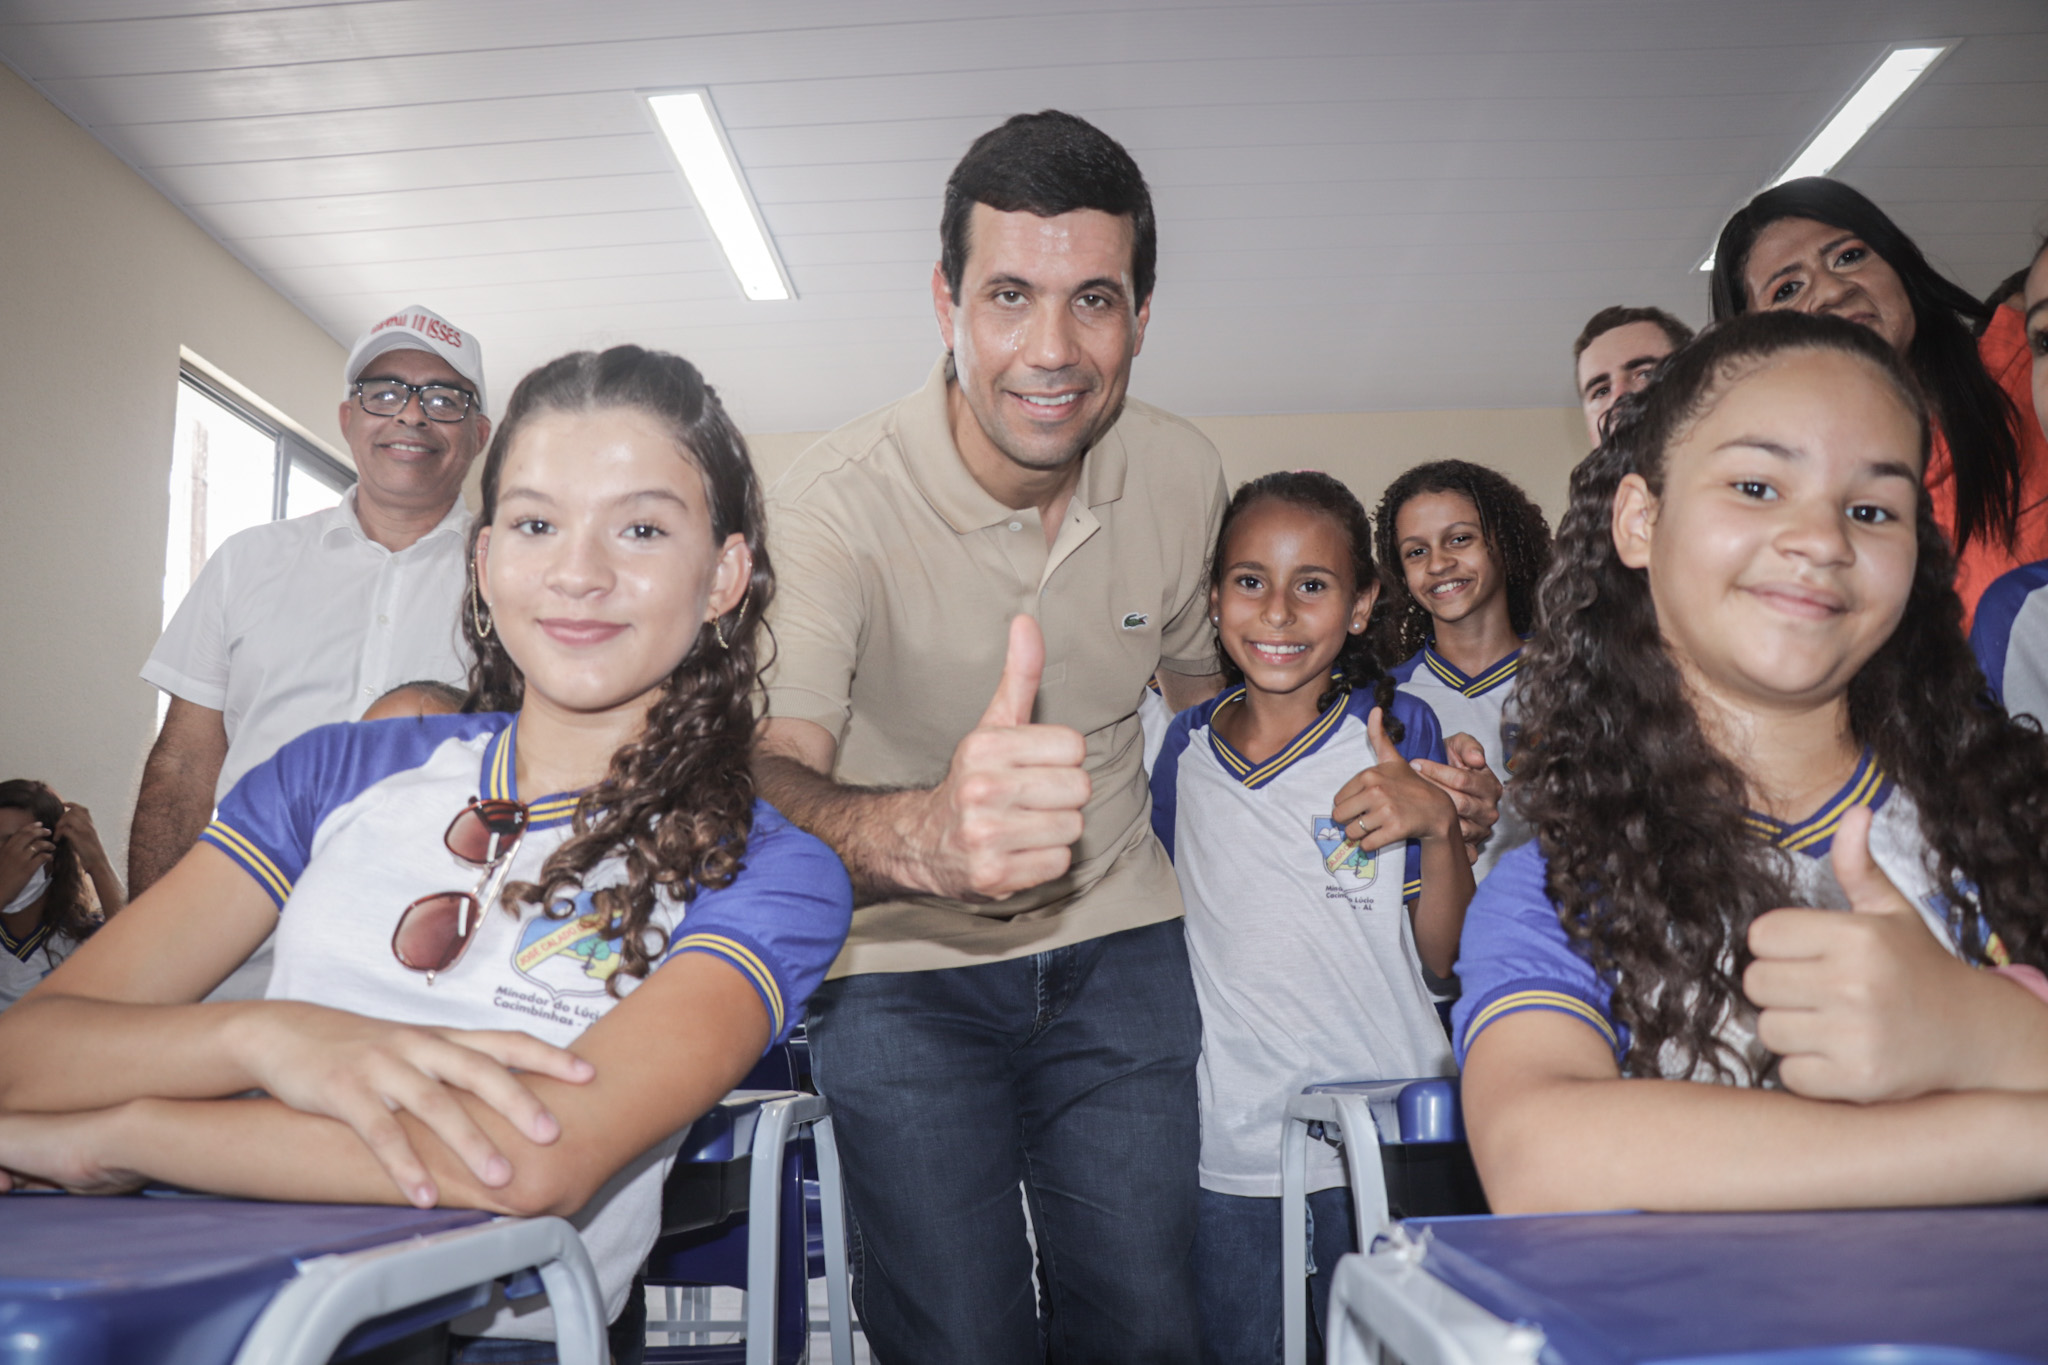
[
  {"x": 1776, "y": 1288},
  {"x": 172, "y": 1279}
]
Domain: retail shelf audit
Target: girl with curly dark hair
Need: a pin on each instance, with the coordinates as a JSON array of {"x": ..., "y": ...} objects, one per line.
[
  {"x": 1319, "y": 870},
  {"x": 1748, "y": 691},
  {"x": 1462, "y": 549},
  {"x": 51, "y": 868},
  {"x": 516, "y": 950},
  {"x": 1816, "y": 245}
]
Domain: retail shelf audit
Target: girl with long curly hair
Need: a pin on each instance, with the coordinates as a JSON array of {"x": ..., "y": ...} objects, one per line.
[
  {"x": 1462, "y": 548},
  {"x": 1320, "y": 872},
  {"x": 1749, "y": 709},
  {"x": 516, "y": 950}
]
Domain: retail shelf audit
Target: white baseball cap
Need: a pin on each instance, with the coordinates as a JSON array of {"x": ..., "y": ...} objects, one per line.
[{"x": 414, "y": 328}]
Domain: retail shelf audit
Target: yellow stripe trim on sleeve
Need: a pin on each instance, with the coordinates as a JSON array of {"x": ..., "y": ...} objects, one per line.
[
  {"x": 1517, "y": 1001},
  {"x": 236, "y": 845},
  {"x": 742, "y": 957}
]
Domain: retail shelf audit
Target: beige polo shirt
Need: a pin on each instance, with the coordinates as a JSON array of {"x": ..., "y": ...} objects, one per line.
[{"x": 896, "y": 578}]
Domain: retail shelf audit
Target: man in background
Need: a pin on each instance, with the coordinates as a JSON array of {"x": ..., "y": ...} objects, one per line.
[
  {"x": 300, "y": 623},
  {"x": 1616, "y": 354}
]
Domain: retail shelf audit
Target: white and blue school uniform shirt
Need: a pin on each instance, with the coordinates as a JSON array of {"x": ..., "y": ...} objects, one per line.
[
  {"x": 1516, "y": 956},
  {"x": 1303, "y": 954},
  {"x": 25, "y": 961},
  {"x": 343, "y": 827},
  {"x": 2010, "y": 637},
  {"x": 1479, "y": 706}
]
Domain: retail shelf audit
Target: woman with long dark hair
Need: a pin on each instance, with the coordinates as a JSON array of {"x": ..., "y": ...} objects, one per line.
[
  {"x": 1815, "y": 245},
  {"x": 1749, "y": 708},
  {"x": 516, "y": 950}
]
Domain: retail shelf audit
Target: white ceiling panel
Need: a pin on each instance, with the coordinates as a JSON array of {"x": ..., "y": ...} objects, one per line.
[{"x": 1368, "y": 205}]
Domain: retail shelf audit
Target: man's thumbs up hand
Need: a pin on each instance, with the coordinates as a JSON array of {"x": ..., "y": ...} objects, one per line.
[
  {"x": 1009, "y": 811},
  {"x": 1017, "y": 691},
  {"x": 1862, "y": 1006}
]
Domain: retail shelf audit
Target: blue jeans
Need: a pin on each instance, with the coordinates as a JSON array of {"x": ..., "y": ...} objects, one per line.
[
  {"x": 1072, "y": 1072},
  {"x": 1237, "y": 1270}
]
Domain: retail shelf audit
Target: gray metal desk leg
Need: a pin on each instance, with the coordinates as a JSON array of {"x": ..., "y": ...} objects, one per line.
[
  {"x": 778, "y": 1118},
  {"x": 1361, "y": 1134},
  {"x": 1294, "y": 1238},
  {"x": 832, "y": 1208},
  {"x": 333, "y": 1295},
  {"x": 1348, "y": 1118}
]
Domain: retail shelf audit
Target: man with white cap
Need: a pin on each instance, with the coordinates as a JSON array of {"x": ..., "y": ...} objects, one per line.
[{"x": 299, "y": 623}]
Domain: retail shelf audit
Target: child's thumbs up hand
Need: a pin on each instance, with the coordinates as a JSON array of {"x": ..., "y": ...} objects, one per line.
[
  {"x": 1868, "y": 1005},
  {"x": 1390, "y": 800}
]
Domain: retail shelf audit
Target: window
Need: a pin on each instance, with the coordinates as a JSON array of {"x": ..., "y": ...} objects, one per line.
[{"x": 231, "y": 469}]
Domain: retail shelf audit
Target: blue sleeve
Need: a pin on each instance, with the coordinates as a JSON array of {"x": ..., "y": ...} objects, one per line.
[
  {"x": 1424, "y": 739},
  {"x": 267, "y": 822},
  {"x": 1514, "y": 956},
  {"x": 1997, "y": 610},
  {"x": 1405, "y": 670},
  {"x": 781, "y": 922},
  {"x": 1166, "y": 771}
]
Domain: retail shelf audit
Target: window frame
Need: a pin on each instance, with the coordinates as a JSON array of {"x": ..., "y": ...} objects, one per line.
[{"x": 291, "y": 448}]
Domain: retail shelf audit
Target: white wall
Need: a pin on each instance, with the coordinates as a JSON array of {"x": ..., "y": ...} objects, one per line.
[
  {"x": 1536, "y": 447},
  {"x": 102, "y": 281}
]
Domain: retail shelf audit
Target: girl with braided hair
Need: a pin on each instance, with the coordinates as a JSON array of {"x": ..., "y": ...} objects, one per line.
[
  {"x": 517, "y": 951},
  {"x": 1749, "y": 710},
  {"x": 1320, "y": 872}
]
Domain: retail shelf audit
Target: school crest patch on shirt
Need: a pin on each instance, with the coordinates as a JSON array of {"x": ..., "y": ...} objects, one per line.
[
  {"x": 569, "y": 956},
  {"x": 1341, "y": 857}
]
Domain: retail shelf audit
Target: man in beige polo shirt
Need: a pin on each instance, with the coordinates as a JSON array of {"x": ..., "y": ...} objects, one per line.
[{"x": 974, "y": 584}]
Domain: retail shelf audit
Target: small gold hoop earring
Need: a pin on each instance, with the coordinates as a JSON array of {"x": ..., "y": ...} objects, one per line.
[{"x": 479, "y": 614}]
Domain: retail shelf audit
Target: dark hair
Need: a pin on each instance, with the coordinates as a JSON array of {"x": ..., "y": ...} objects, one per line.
[
  {"x": 65, "y": 909},
  {"x": 1620, "y": 315},
  {"x": 1975, "y": 416},
  {"x": 1356, "y": 665},
  {"x": 1515, "y": 531},
  {"x": 1047, "y": 164},
  {"x": 677, "y": 803},
  {"x": 1654, "y": 873},
  {"x": 446, "y": 694}
]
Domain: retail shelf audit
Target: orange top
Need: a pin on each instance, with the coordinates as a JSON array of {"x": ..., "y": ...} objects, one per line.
[{"x": 2003, "y": 348}]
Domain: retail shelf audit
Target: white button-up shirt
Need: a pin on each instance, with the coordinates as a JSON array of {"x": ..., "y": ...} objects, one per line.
[{"x": 299, "y": 623}]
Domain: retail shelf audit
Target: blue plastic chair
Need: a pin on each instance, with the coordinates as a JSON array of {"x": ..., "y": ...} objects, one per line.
[
  {"x": 1404, "y": 1155},
  {"x": 755, "y": 1203}
]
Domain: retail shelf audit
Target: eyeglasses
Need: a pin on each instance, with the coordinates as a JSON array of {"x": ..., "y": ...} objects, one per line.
[
  {"x": 388, "y": 397},
  {"x": 434, "y": 931}
]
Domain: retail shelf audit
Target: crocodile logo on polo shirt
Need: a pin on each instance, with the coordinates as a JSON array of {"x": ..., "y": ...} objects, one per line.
[{"x": 1136, "y": 620}]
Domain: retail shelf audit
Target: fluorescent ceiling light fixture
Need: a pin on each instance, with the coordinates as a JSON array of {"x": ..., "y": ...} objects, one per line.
[
  {"x": 698, "y": 139},
  {"x": 1898, "y": 73}
]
